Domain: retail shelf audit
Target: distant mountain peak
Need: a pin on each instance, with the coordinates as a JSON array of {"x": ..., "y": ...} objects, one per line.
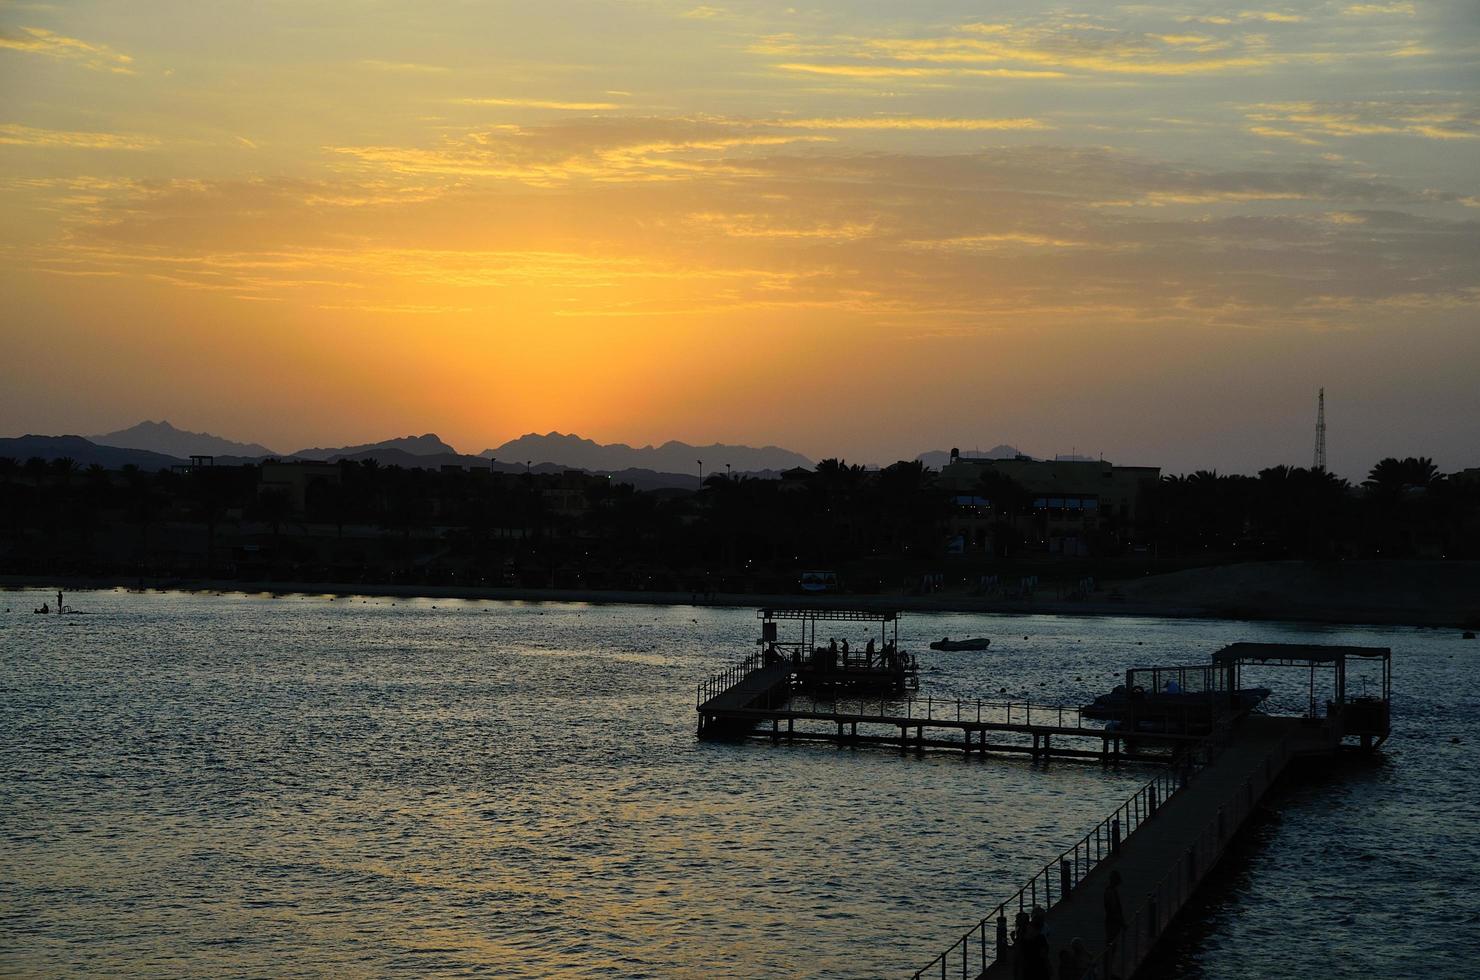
[
  {"x": 569, "y": 449},
  {"x": 162, "y": 437},
  {"x": 428, "y": 444}
]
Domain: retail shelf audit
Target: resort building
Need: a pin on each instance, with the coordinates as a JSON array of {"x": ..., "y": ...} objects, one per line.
[{"x": 1069, "y": 507}]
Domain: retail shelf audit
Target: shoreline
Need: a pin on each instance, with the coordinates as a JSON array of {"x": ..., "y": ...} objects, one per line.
[{"x": 1328, "y": 614}]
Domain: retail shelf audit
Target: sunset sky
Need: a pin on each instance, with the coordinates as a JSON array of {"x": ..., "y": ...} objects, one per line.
[{"x": 863, "y": 229}]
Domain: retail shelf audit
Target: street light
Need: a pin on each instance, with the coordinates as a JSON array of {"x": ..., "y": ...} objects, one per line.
[{"x": 701, "y": 473}]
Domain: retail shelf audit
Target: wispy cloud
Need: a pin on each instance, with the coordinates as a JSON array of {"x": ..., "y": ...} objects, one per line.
[
  {"x": 1313, "y": 122},
  {"x": 38, "y": 40},
  {"x": 912, "y": 71},
  {"x": 908, "y": 123},
  {"x": 1082, "y": 46},
  {"x": 17, "y": 135},
  {"x": 938, "y": 240},
  {"x": 1379, "y": 10},
  {"x": 544, "y": 104},
  {"x": 407, "y": 67}
]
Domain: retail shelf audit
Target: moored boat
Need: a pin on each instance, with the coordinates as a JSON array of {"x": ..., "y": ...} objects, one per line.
[{"x": 975, "y": 643}]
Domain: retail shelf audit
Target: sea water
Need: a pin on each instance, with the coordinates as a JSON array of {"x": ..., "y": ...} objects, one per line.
[{"x": 307, "y": 785}]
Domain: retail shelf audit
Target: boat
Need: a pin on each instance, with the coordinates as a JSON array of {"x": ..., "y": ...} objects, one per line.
[
  {"x": 1117, "y": 704},
  {"x": 946, "y": 643}
]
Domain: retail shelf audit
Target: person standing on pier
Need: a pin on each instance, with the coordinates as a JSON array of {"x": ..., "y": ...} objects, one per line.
[
  {"x": 1039, "y": 964},
  {"x": 1114, "y": 911}
]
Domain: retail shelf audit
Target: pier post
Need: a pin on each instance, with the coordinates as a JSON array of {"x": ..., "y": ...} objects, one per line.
[
  {"x": 1065, "y": 878},
  {"x": 1115, "y": 836}
]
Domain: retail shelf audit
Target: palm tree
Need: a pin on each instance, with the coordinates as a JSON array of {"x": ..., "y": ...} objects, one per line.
[{"x": 1392, "y": 474}]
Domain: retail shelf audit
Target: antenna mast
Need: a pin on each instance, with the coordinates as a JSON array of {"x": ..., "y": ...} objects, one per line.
[{"x": 1320, "y": 460}]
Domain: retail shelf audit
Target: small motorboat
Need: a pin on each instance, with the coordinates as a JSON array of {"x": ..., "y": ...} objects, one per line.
[
  {"x": 1118, "y": 703},
  {"x": 946, "y": 643}
]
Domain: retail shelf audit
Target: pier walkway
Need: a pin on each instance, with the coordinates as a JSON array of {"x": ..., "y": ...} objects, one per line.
[
  {"x": 1165, "y": 859},
  {"x": 751, "y": 699},
  {"x": 1174, "y": 831},
  {"x": 1162, "y": 842}
]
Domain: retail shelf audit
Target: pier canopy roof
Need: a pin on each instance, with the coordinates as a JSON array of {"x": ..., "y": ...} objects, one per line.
[
  {"x": 1295, "y": 654},
  {"x": 828, "y": 615}
]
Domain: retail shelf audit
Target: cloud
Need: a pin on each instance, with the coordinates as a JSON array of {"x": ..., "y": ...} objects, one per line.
[
  {"x": 913, "y": 71},
  {"x": 1379, "y": 9},
  {"x": 608, "y": 149},
  {"x": 764, "y": 226},
  {"x": 1054, "y": 46},
  {"x": 17, "y": 135},
  {"x": 1314, "y": 122},
  {"x": 407, "y": 67},
  {"x": 98, "y": 57},
  {"x": 939, "y": 241},
  {"x": 635, "y": 148},
  {"x": 1247, "y": 16},
  {"x": 544, "y": 104},
  {"x": 908, "y": 123}
]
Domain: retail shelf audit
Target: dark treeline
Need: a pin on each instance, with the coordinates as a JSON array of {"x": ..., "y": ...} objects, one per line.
[
  {"x": 357, "y": 522},
  {"x": 1404, "y": 509}
]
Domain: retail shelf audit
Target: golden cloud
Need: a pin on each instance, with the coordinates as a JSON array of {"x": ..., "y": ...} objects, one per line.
[
  {"x": 543, "y": 104},
  {"x": 37, "y": 40},
  {"x": 16, "y": 135},
  {"x": 1309, "y": 122}
]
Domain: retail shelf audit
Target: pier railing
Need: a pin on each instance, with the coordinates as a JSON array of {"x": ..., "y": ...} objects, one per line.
[
  {"x": 960, "y": 710},
  {"x": 726, "y": 679},
  {"x": 984, "y": 943},
  {"x": 1176, "y": 887}
]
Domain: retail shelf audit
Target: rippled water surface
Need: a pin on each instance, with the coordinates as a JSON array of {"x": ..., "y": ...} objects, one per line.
[{"x": 298, "y": 785}]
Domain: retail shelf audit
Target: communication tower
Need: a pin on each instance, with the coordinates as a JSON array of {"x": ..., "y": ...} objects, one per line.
[{"x": 1320, "y": 460}]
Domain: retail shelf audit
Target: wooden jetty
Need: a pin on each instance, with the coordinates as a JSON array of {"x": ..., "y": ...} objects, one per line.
[
  {"x": 1162, "y": 841},
  {"x": 1165, "y": 840},
  {"x": 779, "y": 694}
]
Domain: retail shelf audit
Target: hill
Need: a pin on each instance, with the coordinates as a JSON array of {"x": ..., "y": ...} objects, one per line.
[
  {"x": 161, "y": 437},
  {"x": 673, "y": 456},
  {"x": 84, "y": 453},
  {"x": 424, "y": 445}
]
